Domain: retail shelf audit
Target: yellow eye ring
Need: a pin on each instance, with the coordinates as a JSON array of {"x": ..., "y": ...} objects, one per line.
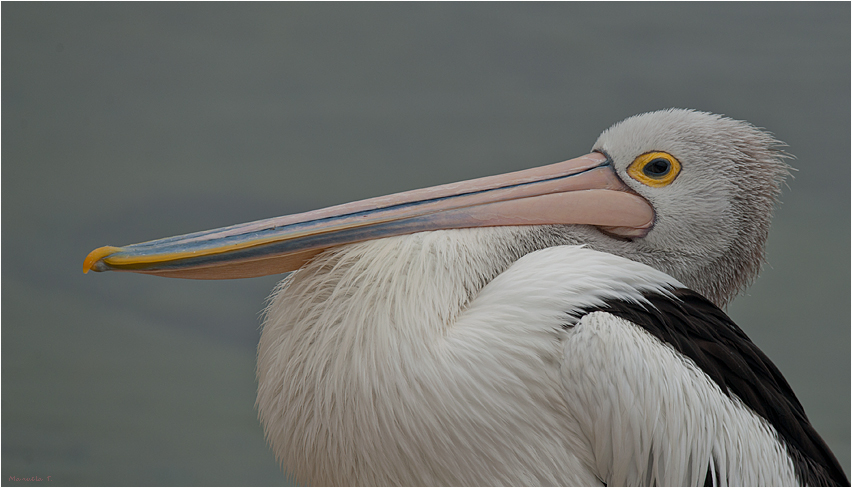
[{"x": 656, "y": 169}]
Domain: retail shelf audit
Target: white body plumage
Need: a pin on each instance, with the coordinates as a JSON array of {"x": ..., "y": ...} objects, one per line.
[{"x": 422, "y": 375}]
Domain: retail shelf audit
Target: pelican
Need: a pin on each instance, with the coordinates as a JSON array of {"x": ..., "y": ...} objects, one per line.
[{"x": 561, "y": 325}]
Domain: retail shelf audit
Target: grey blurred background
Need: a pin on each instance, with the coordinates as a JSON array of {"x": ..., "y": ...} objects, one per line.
[{"x": 127, "y": 122}]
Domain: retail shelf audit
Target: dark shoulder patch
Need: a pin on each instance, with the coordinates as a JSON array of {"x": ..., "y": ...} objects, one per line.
[{"x": 701, "y": 331}]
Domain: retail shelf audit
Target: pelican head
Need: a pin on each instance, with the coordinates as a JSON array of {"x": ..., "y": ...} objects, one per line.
[
  {"x": 712, "y": 181},
  {"x": 687, "y": 192}
]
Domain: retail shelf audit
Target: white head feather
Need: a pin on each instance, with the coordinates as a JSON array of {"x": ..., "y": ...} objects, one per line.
[{"x": 713, "y": 220}]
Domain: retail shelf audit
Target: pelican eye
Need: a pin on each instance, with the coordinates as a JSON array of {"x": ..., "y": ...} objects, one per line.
[{"x": 656, "y": 169}]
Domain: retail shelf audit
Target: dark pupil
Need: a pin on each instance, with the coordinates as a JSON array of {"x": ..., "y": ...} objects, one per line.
[{"x": 657, "y": 167}]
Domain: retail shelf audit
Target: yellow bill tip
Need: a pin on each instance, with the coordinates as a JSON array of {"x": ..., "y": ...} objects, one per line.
[{"x": 97, "y": 255}]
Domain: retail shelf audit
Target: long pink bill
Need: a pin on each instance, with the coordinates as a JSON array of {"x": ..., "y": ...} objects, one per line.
[{"x": 585, "y": 190}]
